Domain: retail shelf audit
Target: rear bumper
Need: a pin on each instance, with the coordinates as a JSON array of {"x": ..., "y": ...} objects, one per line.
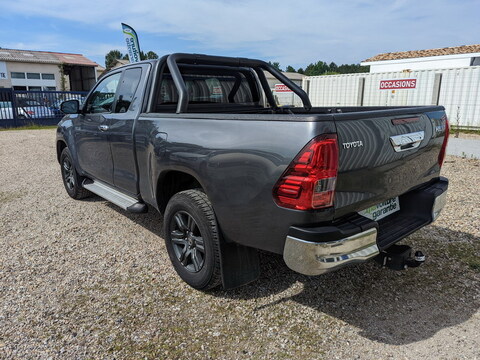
[{"x": 316, "y": 250}]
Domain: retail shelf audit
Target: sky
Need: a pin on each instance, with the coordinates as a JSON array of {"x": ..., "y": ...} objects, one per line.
[{"x": 291, "y": 32}]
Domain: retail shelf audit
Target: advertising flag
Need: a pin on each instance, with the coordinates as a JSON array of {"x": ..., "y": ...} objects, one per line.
[{"x": 131, "y": 39}]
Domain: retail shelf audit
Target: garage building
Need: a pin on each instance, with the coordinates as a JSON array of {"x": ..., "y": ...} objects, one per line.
[{"x": 44, "y": 70}]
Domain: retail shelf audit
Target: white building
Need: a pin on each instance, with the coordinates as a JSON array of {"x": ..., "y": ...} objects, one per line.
[{"x": 445, "y": 58}]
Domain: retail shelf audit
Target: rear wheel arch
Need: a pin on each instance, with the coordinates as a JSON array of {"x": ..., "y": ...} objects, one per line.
[{"x": 171, "y": 183}]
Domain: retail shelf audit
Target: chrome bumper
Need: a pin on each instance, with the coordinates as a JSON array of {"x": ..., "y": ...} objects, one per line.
[{"x": 315, "y": 258}]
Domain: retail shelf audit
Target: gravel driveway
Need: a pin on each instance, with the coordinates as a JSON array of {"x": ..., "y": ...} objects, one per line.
[{"x": 86, "y": 280}]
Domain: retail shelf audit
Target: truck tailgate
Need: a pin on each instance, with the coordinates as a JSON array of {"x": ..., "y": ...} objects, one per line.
[{"x": 383, "y": 154}]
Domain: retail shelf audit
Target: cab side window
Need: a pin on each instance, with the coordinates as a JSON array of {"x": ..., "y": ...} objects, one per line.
[
  {"x": 101, "y": 100},
  {"x": 127, "y": 89}
]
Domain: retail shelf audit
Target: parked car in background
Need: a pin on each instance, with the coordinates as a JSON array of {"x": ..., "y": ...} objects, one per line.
[
  {"x": 6, "y": 111},
  {"x": 33, "y": 109}
]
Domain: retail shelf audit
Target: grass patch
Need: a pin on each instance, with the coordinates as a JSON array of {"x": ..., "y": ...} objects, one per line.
[
  {"x": 466, "y": 253},
  {"x": 455, "y": 129},
  {"x": 30, "y": 127}
]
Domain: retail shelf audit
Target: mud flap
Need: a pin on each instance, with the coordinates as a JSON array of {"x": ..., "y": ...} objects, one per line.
[{"x": 240, "y": 265}]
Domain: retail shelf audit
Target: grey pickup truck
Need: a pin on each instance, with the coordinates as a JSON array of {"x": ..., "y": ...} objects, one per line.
[{"x": 201, "y": 139}]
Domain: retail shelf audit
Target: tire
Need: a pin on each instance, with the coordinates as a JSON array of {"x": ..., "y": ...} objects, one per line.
[
  {"x": 71, "y": 180},
  {"x": 192, "y": 239}
]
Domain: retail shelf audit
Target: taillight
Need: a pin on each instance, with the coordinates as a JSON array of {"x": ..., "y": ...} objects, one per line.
[
  {"x": 443, "y": 150},
  {"x": 309, "y": 181}
]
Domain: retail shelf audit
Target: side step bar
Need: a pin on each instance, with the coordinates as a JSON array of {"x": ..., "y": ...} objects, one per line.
[{"x": 108, "y": 193}]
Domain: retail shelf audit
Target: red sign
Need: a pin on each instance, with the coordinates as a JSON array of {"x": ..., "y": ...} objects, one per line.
[
  {"x": 398, "y": 84},
  {"x": 282, "y": 88},
  {"x": 217, "y": 90}
]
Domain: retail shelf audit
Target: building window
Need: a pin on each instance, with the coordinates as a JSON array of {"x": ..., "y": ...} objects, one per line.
[
  {"x": 50, "y": 88},
  {"x": 48, "y": 76},
  {"x": 17, "y": 75},
  {"x": 33, "y": 76},
  {"x": 34, "y": 88},
  {"x": 23, "y": 88}
]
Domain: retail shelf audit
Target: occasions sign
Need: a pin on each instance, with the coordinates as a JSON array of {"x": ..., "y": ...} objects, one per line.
[
  {"x": 282, "y": 88},
  {"x": 398, "y": 84}
]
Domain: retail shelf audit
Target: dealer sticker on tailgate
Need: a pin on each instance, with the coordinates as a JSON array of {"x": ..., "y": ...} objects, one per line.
[{"x": 379, "y": 211}]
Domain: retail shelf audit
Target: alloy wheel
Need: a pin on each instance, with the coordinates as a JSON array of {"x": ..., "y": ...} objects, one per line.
[
  {"x": 68, "y": 173},
  {"x": 187, "y": 242}
]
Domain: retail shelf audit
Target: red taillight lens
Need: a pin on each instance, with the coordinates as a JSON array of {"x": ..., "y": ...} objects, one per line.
[
  {"x": 309, "y": 181},
  {"x": 443, "y": 150}
]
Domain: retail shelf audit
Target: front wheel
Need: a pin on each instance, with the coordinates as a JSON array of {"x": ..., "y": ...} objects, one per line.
[
  {"x": 192, "y": 239},
  {"x": 71, "y": 180}
]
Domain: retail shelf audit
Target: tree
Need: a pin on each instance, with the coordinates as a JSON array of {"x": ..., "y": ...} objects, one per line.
[
  {"x": 149, "y": 55},
  {"x": 114, "y": 55},
  {"x": 322, "y": 68},
  {"x": 111, "y": 58},
  {"x": 276, "y": 65},
  {"x": 352, "y": 68},
  {"x": 290, "y": 69}
]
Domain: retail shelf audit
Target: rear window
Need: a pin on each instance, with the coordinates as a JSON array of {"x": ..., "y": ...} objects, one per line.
[{"x": 209, "y": 88}]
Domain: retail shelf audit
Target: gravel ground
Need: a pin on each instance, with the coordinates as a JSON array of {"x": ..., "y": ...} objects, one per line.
[{"x": 85, "y": 280}]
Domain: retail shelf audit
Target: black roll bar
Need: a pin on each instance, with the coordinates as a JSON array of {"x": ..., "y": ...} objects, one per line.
[{"x": 174, "y": 59}]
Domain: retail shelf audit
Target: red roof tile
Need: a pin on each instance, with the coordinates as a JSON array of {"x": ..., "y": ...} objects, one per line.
[
  {"x": 46, "y": 57},
  {"x": 464, "y": 49}
]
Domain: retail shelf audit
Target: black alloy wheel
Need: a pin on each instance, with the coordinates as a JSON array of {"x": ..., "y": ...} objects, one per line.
[
  {"x": 192, "y": 239},
  {"x": 187, "y": 242},
  {"x": 71, "y": 180},
  {"x": 68, "y": 173}
]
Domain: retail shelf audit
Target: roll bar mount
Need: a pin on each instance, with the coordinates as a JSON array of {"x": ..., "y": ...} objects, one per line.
[{"x": 257, "y": 65}]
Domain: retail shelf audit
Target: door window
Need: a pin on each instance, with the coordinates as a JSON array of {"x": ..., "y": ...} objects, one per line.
[
  {"x": 102, "y": 98},
  {"x": 127, "y": 88}
]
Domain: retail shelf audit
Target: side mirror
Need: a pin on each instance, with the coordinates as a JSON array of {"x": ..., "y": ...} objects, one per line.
[{"x": 70, "y": 107}]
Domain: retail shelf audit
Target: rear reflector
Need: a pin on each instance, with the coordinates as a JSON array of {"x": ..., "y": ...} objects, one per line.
[
  {"x": 441, "y": 156},
  {"x": 309, "y": 181}
]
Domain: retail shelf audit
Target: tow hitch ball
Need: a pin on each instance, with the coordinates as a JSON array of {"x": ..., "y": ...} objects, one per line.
[{"x": 399, "y": 257}]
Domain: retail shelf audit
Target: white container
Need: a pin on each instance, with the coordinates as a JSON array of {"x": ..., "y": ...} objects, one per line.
[{"x": 458, "y": 90}]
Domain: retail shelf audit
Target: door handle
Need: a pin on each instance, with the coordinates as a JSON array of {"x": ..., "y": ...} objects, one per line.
[{"x": 103, "y": 127}]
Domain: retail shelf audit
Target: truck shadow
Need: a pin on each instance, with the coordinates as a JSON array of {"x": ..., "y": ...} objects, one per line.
[{"x": 387, "y": 306}]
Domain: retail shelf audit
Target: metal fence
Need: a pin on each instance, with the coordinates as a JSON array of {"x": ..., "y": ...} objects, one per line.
[{"x": 21, "y": 108}]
